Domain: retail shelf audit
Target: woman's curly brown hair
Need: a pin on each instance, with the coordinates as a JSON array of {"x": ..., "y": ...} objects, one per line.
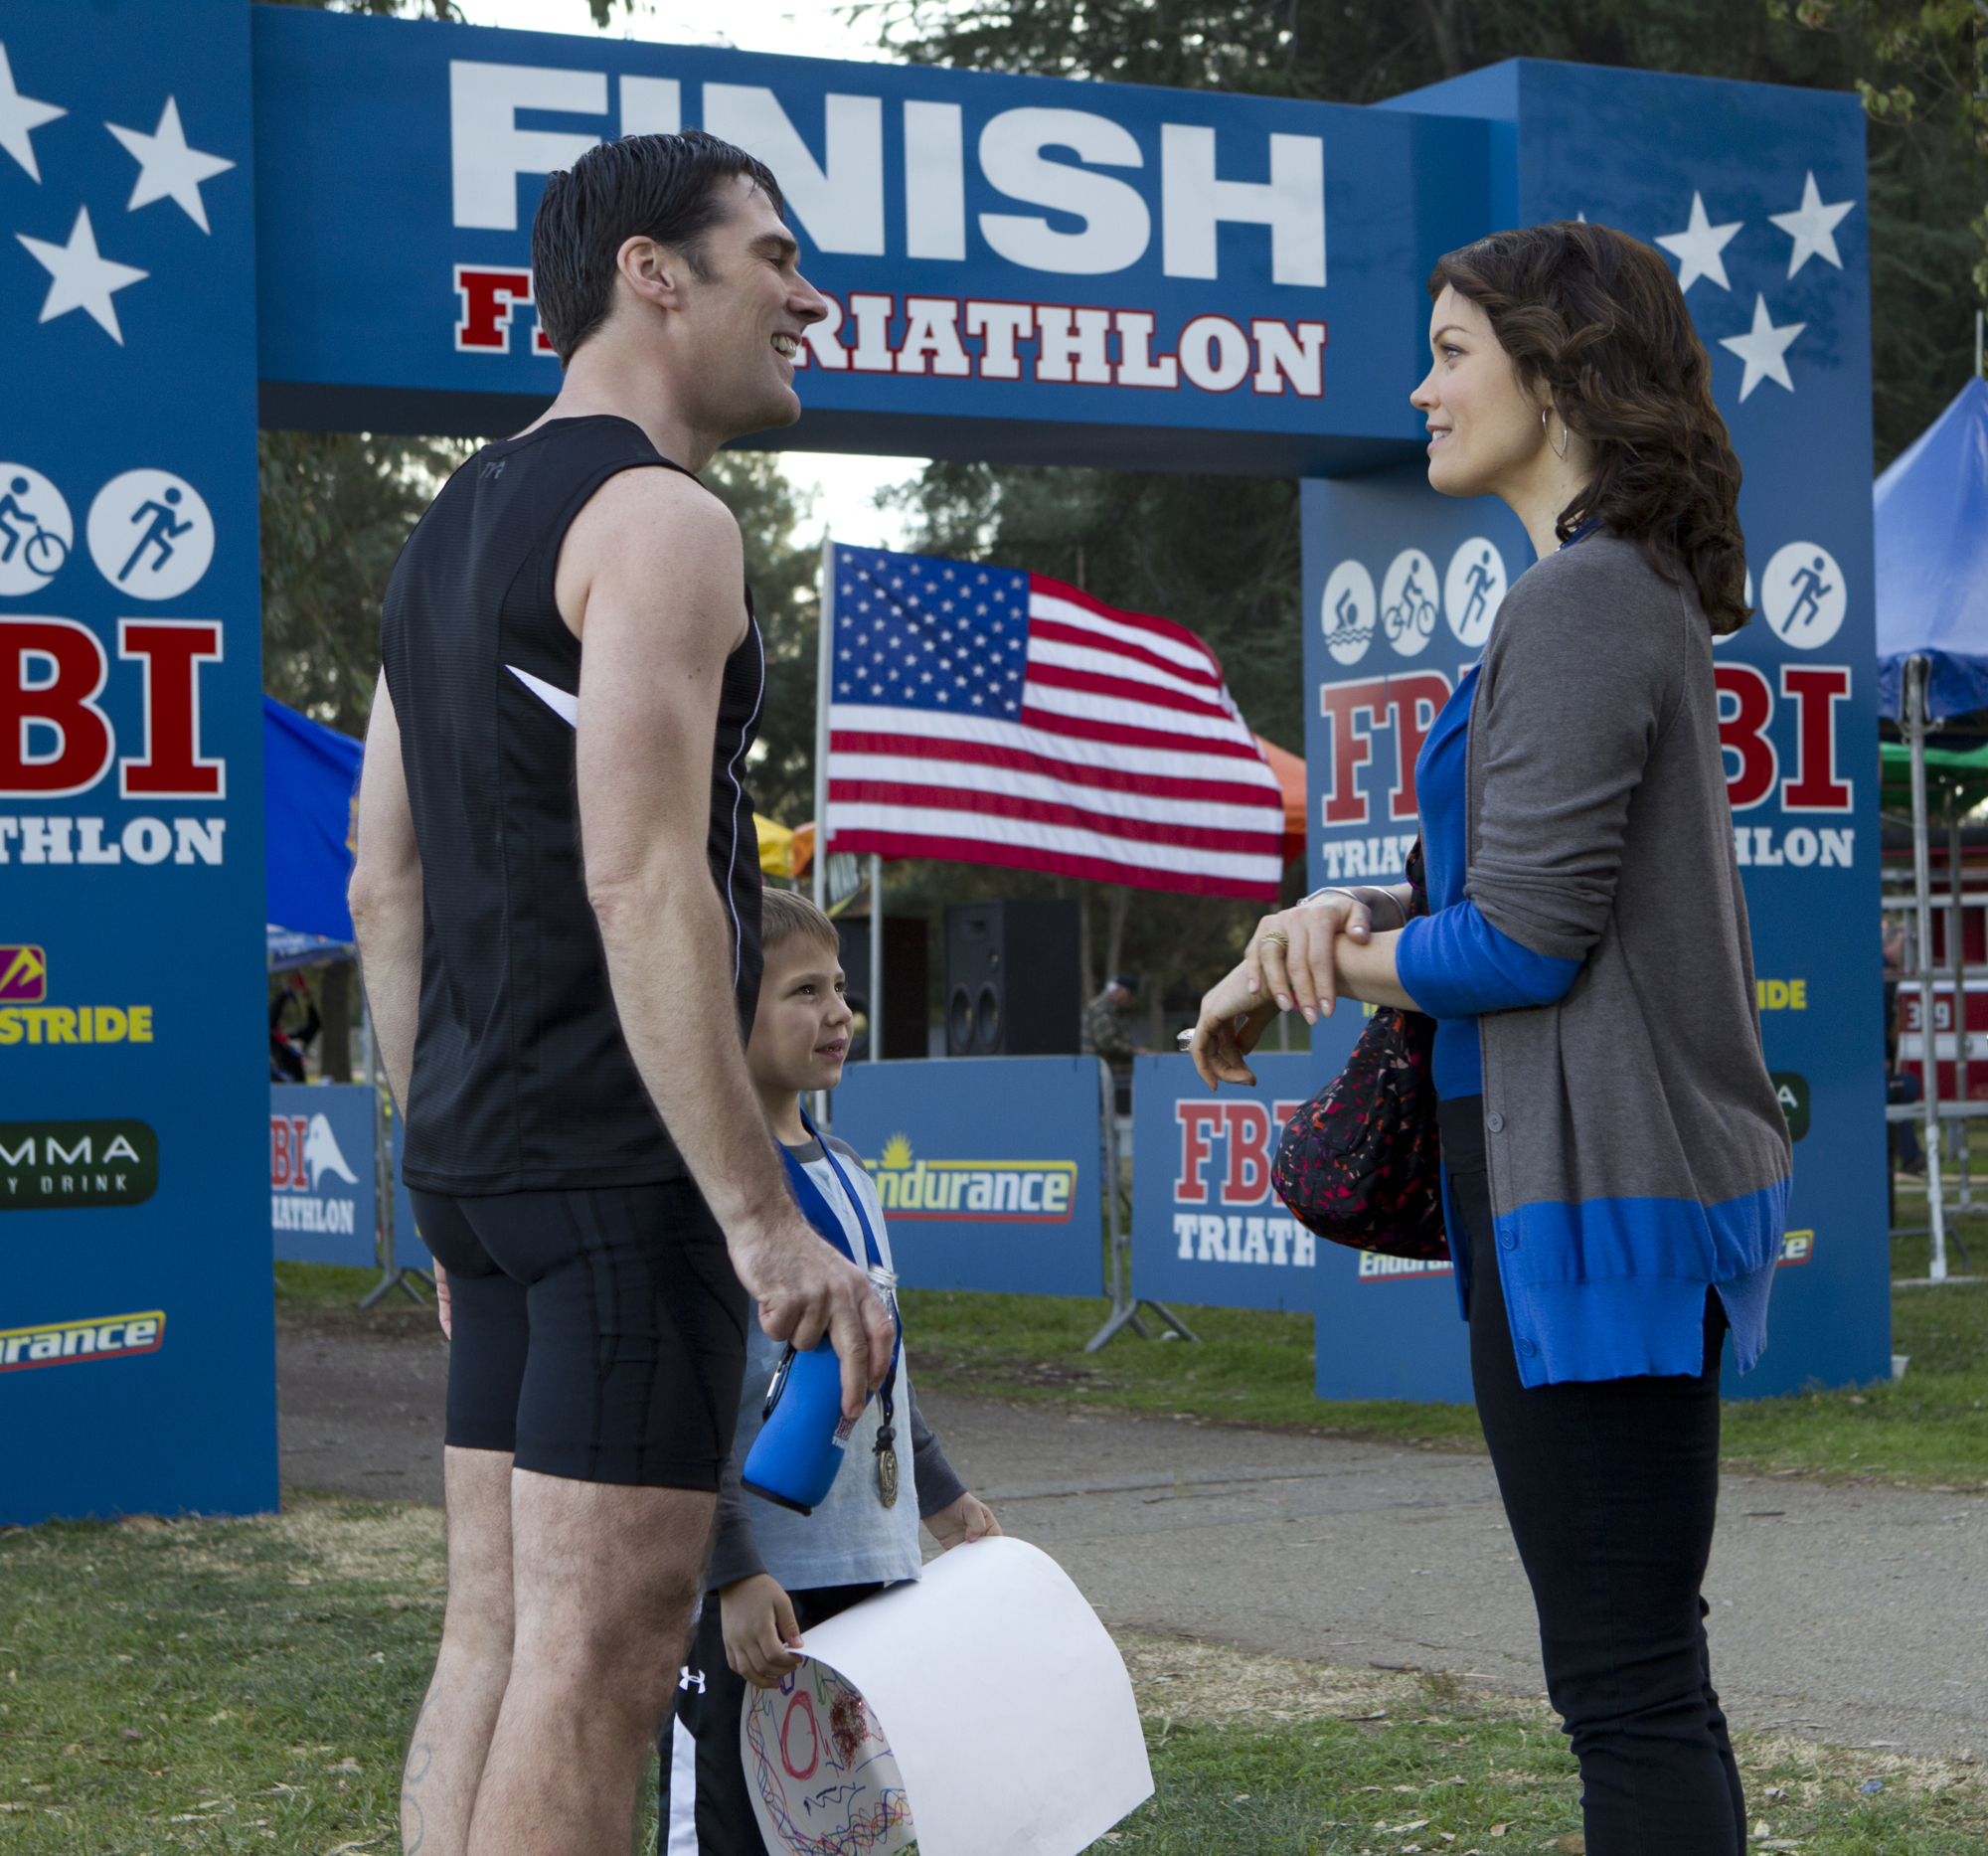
[{"x": 1599, "y": 320}]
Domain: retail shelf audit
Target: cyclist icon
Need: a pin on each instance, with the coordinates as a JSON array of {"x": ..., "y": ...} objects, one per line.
[
  {"x": 35, "y": 530},
  {"x": 42, "y": 553},
  {"x": 1412, "y": 615},
  {"x": 165, "y": 530}
]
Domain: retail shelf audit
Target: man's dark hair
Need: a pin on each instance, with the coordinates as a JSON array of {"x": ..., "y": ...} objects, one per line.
[{"x": 660, "y": 187}]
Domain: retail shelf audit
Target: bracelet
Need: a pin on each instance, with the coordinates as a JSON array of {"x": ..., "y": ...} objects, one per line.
[{"x": 1366, "y": 894}]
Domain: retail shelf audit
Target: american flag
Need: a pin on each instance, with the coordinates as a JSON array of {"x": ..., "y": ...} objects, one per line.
[{"x": 988, "y": 716}]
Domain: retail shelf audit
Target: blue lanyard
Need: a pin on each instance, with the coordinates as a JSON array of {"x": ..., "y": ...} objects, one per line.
[
  {"x": 821, "y": 1216},
  {"x": 817, "y": 1210}
]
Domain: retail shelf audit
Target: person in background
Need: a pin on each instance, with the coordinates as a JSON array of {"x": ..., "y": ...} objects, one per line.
[
  {"x": 774, "y": 1573},
  {"x": 1107, "y": 1033},
  {"x": 1900, "y": 1085},
  {"x": 288, "y": 1048}
]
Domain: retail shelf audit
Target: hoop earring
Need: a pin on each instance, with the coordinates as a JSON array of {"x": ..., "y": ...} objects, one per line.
[{"x": 1546, "y": 431}]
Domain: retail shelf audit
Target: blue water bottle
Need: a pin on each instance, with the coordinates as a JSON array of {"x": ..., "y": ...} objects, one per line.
[
  {"x": 795, "y": 1459},
  {"x": 803, "y": 1435}
]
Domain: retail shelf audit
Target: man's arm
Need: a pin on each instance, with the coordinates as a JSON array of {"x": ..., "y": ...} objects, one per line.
[
  {"x": 650, "y": 577},
  {"x": 386, "y": 896}
]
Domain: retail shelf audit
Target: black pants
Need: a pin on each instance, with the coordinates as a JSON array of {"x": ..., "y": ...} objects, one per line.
[
  {"x": 1611, "y": 1487},
  {"x": 698, "y": 1751}
]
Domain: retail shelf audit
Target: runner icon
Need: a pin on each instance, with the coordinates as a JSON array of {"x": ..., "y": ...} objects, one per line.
[
  {"x": 151, "y": 534},
  {"x": 1811, "y": 587},
  {"x": 165, "y": 530},
  {"x": 1802, "y": 594},
  {"x": 1478, "y": 583},
  {"x": 40, "y": 550}
]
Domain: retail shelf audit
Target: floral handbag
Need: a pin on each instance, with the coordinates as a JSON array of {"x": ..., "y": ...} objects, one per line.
[{"x": 1360, "y": 1163}]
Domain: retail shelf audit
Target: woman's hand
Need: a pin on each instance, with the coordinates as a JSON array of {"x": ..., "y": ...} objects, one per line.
[
  {"x": 967, "y": 1519},
  {"x": 1291, "y": 956},
  {"x": 762, "y": 1639},
  {"x": 1231, "y": 1022}
]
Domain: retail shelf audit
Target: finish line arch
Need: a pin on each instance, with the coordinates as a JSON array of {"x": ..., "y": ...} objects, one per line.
[{"x": 228, "y": 214}]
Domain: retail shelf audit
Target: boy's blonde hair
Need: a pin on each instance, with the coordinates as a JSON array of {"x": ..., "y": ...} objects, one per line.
[{"x": 785, "y": 915}]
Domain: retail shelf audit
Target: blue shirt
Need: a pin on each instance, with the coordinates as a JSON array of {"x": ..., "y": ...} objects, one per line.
[{"x": 1453, "y": 963}]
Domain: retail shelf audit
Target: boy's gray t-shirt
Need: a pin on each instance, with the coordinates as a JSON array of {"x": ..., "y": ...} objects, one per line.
[{"x": 851, "y": 1537}]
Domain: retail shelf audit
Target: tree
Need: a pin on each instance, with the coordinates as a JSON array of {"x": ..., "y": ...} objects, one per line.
[
  {"x": 1942, "y": 44},
  {"x": 782, "y": 573}
]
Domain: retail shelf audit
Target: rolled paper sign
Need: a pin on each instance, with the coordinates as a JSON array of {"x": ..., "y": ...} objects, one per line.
[{"x": 983, "y": 1710}]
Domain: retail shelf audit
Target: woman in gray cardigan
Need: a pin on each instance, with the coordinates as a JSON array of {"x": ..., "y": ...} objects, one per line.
[{"x": 1616, "y": 1165}]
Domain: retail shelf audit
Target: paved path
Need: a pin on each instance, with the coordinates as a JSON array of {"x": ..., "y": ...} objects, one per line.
[{"x": 1854, "y": 1616}]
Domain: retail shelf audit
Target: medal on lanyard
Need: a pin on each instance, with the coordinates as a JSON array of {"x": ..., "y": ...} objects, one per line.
[{"x": 824, "y": 1220}]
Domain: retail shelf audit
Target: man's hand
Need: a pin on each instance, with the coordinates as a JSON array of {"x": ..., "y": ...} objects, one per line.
[
  {"x": 442, "y": 1313},
  {"x": 806, "y": 1288},
  {"x": 760, "y": 1634},
  {"x": 967, "y": 1519}
]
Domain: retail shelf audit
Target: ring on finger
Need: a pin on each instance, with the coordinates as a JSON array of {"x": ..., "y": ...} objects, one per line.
[{"x": 1276, "y": 935}]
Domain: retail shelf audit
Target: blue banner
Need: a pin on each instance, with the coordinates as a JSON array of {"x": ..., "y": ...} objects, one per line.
[
  {"x": 322, "y": 1182},
  {"x": 1206, "y": 1227},
  {"x": 131, "y": 769},
  {"x": 987, "y": 1167},
  {"x": 1757, "y": 195},
  {"x": 1018, "y": 267}
]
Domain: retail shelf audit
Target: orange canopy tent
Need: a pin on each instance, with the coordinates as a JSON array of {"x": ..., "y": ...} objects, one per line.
[{"x": 1290, "y": 772}]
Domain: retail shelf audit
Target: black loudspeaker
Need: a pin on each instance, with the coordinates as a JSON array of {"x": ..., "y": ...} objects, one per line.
[
  {"x": 1012, "y": 986},
  {"x": 905, "y": 982}
]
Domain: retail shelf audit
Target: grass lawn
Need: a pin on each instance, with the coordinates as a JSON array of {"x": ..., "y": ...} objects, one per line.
[{"x": 233, "y": 1686}]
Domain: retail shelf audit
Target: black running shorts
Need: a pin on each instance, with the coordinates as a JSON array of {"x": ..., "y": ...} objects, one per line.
[{"x": 599, "y": 1334}]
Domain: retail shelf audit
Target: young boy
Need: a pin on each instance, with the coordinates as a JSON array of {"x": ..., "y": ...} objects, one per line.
[{"x": 774, "y": 1574}]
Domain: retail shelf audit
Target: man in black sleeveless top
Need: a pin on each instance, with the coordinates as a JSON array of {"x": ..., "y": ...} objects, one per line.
[{"x": 557, "y": 897}]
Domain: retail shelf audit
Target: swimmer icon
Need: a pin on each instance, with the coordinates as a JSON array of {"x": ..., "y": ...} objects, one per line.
[{"x": 150, "y": 533}]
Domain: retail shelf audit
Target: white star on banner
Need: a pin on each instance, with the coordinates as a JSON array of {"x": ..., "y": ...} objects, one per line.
[
  {"x": 168, "y": 169},
  {"x": 1698, "y": 247},
  {"x": 81, "y": 278},
  {"x": 19, "y": 114},
  {"x": 1812, "y": 226},
  {"x": 1762, "y": 348}
]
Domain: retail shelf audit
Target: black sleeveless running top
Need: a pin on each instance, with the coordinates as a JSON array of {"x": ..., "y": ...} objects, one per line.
[{"x": 523, "y": 1081}]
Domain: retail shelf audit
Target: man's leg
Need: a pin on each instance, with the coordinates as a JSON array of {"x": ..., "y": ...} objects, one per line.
[
  {"x": 490, "y": 1333},
  {"x": 452, "y": 1733},
  {"x": 624, "y": 1421},
  {"x": 605, "y": 1579}
]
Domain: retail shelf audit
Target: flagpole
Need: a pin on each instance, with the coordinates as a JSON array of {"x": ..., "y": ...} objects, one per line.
[
  {"x": 876, "y": 959},
  {"x": 824, "y": 661}
]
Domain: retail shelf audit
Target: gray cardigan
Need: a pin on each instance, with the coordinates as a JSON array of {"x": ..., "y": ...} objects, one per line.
[{"x": 1637, "y": 1153}]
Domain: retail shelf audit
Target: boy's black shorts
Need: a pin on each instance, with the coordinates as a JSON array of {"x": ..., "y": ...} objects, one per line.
[{"x": 598, "y": 1335}]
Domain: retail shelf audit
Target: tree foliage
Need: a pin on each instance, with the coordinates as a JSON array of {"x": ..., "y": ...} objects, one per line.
[{"x": 336, "y": 506}]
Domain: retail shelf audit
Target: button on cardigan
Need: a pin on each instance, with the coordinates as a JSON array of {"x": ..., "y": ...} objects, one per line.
[{"x": 1642, "y": 1157}]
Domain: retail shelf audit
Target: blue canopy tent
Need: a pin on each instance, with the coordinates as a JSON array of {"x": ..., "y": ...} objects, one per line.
[
  {"x": 1930, "y": 521},
  {"x": 310, "y": 797}
]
